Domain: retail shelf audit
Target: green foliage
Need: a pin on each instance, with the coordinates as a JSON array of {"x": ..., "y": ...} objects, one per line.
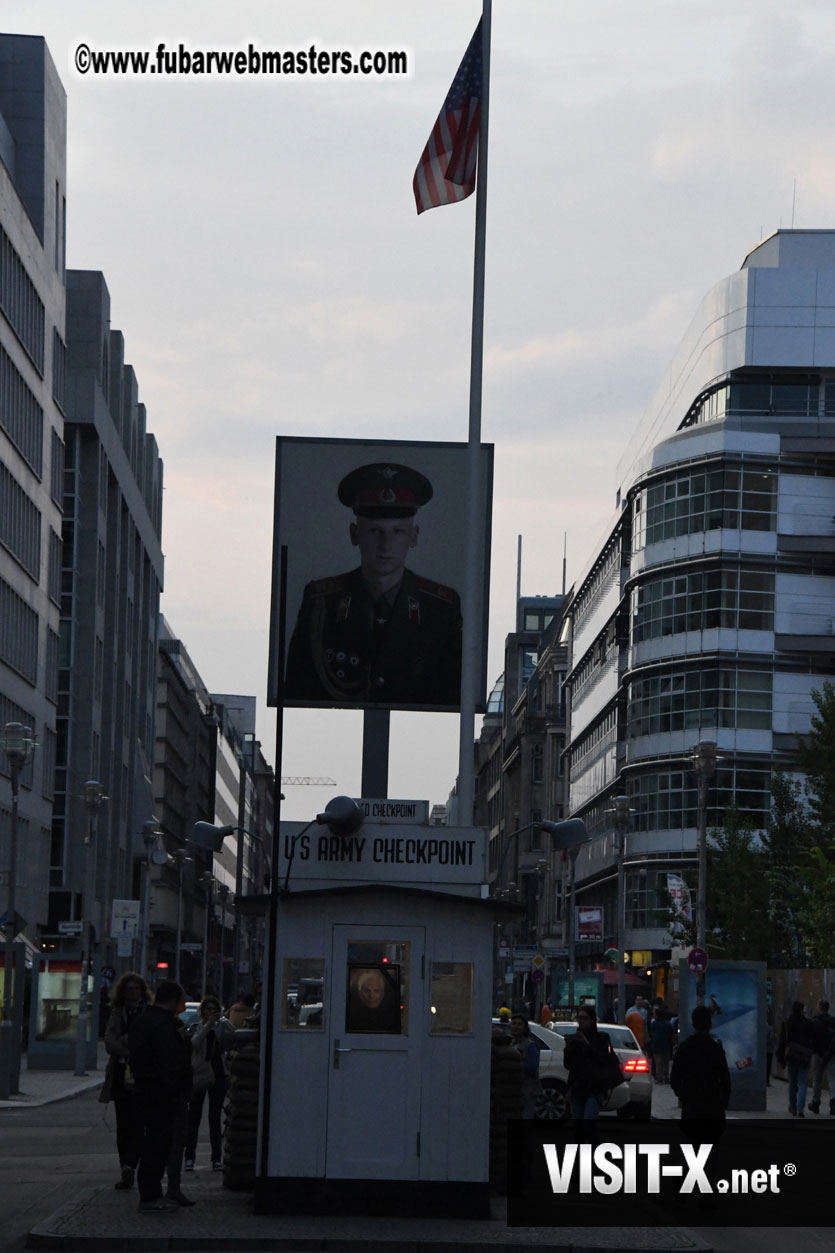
[{"x": 816, "y": 757}]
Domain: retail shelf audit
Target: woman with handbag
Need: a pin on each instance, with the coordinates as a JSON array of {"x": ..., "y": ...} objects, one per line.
[
  {"x": 794, "y": 1051},
  {"x": 130, "y": 996},
  {"x": 592, "y": 1065},
  {"x": 208, "y": 1075}
]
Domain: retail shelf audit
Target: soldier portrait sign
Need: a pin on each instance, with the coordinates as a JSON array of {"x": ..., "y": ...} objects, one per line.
[{"x": 374, "y": 534}]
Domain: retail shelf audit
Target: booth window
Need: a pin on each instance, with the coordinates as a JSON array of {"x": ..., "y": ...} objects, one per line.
[
  {"x": 377, "y": 988},
  {"x": 451, "y": 998},
  {"x": 303, "y": 985}
]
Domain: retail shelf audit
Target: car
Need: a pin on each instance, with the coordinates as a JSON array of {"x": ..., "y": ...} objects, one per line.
[
  {"x": 552, "y": 1103},
  {"x": 634, "y": 1064}
]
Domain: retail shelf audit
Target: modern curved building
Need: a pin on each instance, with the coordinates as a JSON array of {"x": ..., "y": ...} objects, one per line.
[{"x": 709, "y": 611}]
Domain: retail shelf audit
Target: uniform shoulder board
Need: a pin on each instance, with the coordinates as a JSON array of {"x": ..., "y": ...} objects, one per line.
[
  {"x": 439, "y": 590},
  {"x": 326, "y": 587}
]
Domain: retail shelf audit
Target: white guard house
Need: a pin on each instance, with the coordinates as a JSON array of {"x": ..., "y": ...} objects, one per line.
[{"x": 376, "y": 1081}]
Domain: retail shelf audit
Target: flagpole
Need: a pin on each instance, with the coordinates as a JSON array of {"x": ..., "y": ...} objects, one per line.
[{"x": 471, "y": 663}]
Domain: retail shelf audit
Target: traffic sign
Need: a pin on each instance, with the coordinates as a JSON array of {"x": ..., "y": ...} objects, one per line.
[
  {"x": 537, "y": 975},
  {"x": 697, "y": 961},
  {"x": 70, "y": 928},
  {"x": 124, "y": 919}
]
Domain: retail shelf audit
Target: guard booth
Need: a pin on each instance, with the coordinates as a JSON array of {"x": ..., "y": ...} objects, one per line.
[{"x": 376, "y": 1080}]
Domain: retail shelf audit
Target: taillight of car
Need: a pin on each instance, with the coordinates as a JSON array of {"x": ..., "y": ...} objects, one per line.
[{"x": 635, "y": 1066}]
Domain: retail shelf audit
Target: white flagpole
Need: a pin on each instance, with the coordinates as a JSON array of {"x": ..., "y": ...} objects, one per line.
[{"x": 471, "y": 663}]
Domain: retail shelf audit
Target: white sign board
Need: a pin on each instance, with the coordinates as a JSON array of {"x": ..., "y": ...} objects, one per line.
[
  {"x": 401, "y": 812},
  {"x": 384, "y": 854},
  {"x": 70, "y": 928},
  {"x": 124, "y": 919},
  {"x": 124, "y": 946}
]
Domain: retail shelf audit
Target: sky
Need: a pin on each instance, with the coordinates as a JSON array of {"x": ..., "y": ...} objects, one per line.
[{"x": 270, "y": 275}]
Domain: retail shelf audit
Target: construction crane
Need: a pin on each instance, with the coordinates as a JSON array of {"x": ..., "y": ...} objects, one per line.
[{"x": 306, "y": 780}]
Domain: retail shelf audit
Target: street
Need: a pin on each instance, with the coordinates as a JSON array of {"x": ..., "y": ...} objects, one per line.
[{"x": 49, "y": 1153}]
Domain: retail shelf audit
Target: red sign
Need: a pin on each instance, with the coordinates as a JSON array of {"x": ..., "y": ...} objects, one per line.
[{"x": 697, "y": 961}]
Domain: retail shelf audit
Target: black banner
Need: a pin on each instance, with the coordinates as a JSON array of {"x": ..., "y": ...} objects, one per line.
[{"x": 754, "y": 1172}]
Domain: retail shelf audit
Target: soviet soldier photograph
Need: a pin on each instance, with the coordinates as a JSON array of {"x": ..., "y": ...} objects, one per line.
[{"x": 385, "y": 627}]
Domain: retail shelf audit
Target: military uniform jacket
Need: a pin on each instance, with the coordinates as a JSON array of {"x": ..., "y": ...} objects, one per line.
[{"x": 346, "y": 651}]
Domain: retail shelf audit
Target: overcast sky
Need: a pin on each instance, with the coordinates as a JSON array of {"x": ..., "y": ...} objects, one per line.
[{"x": 270, "y": 275}]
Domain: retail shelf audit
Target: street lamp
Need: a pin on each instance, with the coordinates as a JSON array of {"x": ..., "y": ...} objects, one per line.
[
  {"x": 223, "y": 893},
  {"x": 703, "y": 761},
  {"x": 622, "y": 813},
  {"x": 18, "y": 745},
  {"x": 155, "y": 856},
  {"x": 207, "y": 879},
  {"x": 179, "y": 857},
  {"x": 569, "y": 836},
  {"x": 94, "y": 798}
]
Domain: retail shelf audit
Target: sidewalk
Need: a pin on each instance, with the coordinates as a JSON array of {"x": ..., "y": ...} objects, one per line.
[
  {"x": 104, "y": 1219},
  {"x": 41, "y": 1087}
]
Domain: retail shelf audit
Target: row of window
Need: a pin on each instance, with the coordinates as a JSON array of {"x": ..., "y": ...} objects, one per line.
[
  {"x": 799, "y": 397},
  {"x": 668, "y": 800},
  {"x": 710, "y": 697},
  {"x": 695, "y": 501},
  {"x": 20, "y": 524},
  {"x": 20, "y": 301},
  {"x": 701, "y": 599},
  {"x": 18, "y": 633},
  {"x": 20, "y": 414}
]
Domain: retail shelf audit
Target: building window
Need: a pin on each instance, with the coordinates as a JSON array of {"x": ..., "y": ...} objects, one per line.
[
  {"x": 699, "y": 699},
  {"x": 731, "y": 498},
  {"x": 668, "y": 800},
  {"x": 18, "y": 634},
  {"x": 20, "y": 524},
  {"x": 699, "y": 600},
  {"x": 20, "y": 302},
  {"x": 21, "y": 417}
]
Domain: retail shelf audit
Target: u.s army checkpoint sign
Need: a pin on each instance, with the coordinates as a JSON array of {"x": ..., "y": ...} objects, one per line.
[{"x": 384, "y": 853}]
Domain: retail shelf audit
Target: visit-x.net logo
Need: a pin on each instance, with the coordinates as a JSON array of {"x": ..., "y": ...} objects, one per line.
[{"x": 750, "y": 1172}]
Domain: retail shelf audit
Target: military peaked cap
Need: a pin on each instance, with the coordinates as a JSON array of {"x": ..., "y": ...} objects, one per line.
[{"x": 384, "y": 490}]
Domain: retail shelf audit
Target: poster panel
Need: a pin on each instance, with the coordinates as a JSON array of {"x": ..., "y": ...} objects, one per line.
[{"x": 375, "y": 567}]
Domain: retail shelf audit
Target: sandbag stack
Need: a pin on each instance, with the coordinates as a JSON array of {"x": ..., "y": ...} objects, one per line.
[
  {"x": 240, "y": 1135},
  {"x": 505, "y": 1102}
]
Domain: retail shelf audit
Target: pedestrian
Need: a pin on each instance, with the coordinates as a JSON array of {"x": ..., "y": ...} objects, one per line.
[
  {"x": 593, "y": 1067},
  {"x": 702, "y": 1082},
  {"x": 546, "y": 1015},
  {"x": 794, "y": 1051},
  {"x": 636, "y": 1021},
  {"x": 208, "y": 1077},
  {"x": 130, "y": 996},
  {"x": 824, "y": 1025},
  {"x": 243, "y": 1009},
  {"x": 162, "y": 1072},
  {"x": 661, "y": 1039},
  {"x": 179, "y": 1130},
  {"x": 528, "y": 1050}
]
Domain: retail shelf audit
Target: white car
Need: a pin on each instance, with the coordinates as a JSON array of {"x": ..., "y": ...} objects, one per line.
[
  {"x": 634, "y": 1064},
  {"x": 553, "y": 1076}
]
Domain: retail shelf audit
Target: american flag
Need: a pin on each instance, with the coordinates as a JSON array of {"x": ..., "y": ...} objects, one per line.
[{"x": 446, "y": 169}]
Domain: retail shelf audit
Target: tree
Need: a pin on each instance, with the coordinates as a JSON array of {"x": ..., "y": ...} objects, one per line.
[
  {"x": 816, "y": 757},
  {"x": 787, "y": 842}
]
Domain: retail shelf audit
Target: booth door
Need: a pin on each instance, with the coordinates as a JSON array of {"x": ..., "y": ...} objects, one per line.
[{"x": 376, "y": 1012}]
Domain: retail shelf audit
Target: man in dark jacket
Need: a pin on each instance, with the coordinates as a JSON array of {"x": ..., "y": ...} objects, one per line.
[
  {"x": 794, "y": 1051},
  {"x": 700, "y": 1077},
  {"x": 824, "y": 1025},
  {"x": 161, "y": 1066},
  {"x": 702, "y": 1082}
]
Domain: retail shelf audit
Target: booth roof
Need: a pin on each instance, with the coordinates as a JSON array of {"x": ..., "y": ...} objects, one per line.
[{"x": 260, "y": 904}]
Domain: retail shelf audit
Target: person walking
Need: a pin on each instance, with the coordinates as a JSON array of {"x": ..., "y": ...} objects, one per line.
[
  {"x": 528, "y": 1050},
  {"x": 162, "y": 1073},
  {"x": 702, "y": 1082},
  {"x": 824, "y": 1025},
  {"x": 208, "y": 1077},
  {"x": 794, "y": 1051},
  {"x": 661, "y": 1040},
  {"x": 593, "y": 1067},
  {"x": 130, "y": 996}
]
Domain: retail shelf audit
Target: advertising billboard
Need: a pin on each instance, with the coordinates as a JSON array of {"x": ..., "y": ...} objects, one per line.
[{"x": 373, "y": 535}]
